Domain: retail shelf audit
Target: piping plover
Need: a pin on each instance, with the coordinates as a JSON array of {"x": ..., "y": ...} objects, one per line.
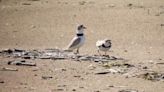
[
  {"x": 103, "y": 45},
  {"x": 78, "y": 40}
]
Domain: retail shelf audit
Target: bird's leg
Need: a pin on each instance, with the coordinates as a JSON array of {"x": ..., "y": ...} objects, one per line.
[
  {"x": 99, "y": 52},
  {"x": 77, "y": 51},
  {"x": 106, "y": 54}
]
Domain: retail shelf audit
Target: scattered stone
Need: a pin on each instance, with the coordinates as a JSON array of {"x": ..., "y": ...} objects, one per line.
[
  {"x": 27, "y": 57},
  {"x": 145, "y": 67},
  {"x": 23, "y": 83},
  {"x": 91, "y": 67},
  {"x": 160, "y": 59},
  {"x": 32, "y": 88},
  {"x": 128, "y": 90},
  {"x": 102, "y": 72},
  {"x": 111, "y": 86},
  {"x": 162, "y": 25},
  {"x": 9, "y": 69},
  {"x": 54, "y": 54},
  {"x": 82, "y": 2},
  {"x": 62, "y": 85},
  {"x": 7, "y": 51},
  {"x": 117, "y": 64},
  {"x": 125, "y": 50},
  {"x": 73, "y": 89},
  {"x": 21, "y": 63},
  {"x": 32, "y": 26},
  {"x": 130, "y": 5},
  {"x": 2, "y": 82},
  {"x": 111, "y": 5},
  {"x": 153, "y": 76},
  {"x": 81, "y": 87},
  {"x": 18, "y": 50},
  {"x": 47, "y": 77},
  {"x": 114, "y": 71},
  {"x": 97, "y": 91},
  {"x": 56, "y": 90},
  {"x": 33, "y": 0},
  {"x": 26, "y": 3},
  {"x": 157, "y": 14},
  {"x": 161, "y": 63},
  {"x": 35, "y": 69},
  {"x": 64, "y": 69},
  {"x": 77, "y": 76}
]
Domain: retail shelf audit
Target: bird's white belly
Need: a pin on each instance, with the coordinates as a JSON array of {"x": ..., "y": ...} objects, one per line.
[{"x": 81, "y": 42}]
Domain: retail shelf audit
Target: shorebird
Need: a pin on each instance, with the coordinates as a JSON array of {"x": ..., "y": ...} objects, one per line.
[
  {"x": 103, "y": 45},
  {"x": 78, "y": 40}
]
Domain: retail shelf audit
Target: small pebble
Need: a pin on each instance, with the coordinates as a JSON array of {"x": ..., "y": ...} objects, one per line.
[
  {"x": 64, "y": 69},
  {"x": 145, "y": 67},
  {"x": 129, "y": 5},
  {"x": 2, "y": 82},
  {"x": 47, "y": 77},
  {"x": 97, "y": 91},
  {"x": 73, "y": 89},
  {"x": 162, "y": 25}
]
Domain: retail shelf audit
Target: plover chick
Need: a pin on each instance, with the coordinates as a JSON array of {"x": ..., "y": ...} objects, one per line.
[
  {"x": 103, "y": 45},
  {"x": 78, "y": 40}
]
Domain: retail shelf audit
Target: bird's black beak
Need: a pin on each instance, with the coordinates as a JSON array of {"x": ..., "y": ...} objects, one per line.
[{"x": 84, "y": 27}]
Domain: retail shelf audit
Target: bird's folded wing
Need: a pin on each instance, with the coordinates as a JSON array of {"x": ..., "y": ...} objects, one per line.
[{"x": 74, "y": 42}]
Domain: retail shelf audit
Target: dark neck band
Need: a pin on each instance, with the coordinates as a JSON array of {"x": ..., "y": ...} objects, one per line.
[
  {"x": 79, "y": 34},
  {"x": 106, "y": 46}
]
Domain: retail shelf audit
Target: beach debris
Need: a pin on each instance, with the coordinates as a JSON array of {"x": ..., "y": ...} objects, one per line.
[
  {"x": 118, "y": 64},
  {"x": 102, "y": 72},
  {"x": 26, "y": 3},
  {"x": 56, "y": 90},
  {"x": 130, "y": 5},
  {"x": 161, "y": 63},
  {"x": 22, "y": 83},
  {"x": 114, "y": 71},
  {"x": 54, "y": 54},
  {"x": 9, "y": 69},
  {"x": 47, "y": 77},
  {"x": 91, "y": 67},
  {"x": 21, "y": 63},
  {"x": 82, "y": 2},
  {"x": 33, "y": 0},
  {"x": 77, "y": 76},
  {"x": 113, "y": 86},
  {"x": 128, "y": 90},
  {"x": 62, "y": 85},
  {"x": 35, "y": 68},
  {"x": 153, "y": 76}
]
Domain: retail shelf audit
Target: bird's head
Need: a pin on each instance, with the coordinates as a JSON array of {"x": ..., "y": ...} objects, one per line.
[
  {"x": 80, "y": 29},
  {"x": 108, "y": 42}
]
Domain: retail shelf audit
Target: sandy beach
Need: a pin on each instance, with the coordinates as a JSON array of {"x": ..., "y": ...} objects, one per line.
[{"x": 135, "y": 28}]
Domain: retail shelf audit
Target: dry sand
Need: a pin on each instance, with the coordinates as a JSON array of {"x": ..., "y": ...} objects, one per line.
[{"x": 136, "y": 28}]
